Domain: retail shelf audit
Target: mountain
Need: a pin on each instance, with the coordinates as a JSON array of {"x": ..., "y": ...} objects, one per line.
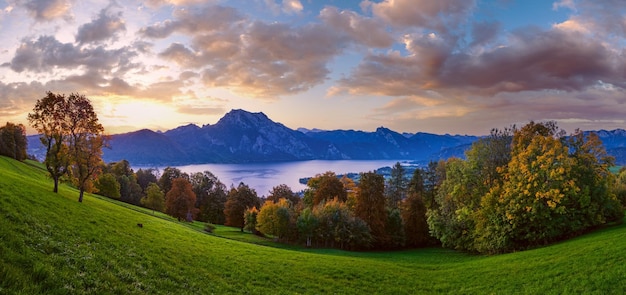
[
  {"x": 245, "y": 137},
  {"x": 146, "y": 147}
]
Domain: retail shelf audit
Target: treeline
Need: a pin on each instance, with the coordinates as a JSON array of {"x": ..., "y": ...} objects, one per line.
[
  {"x": 13, "y": 141},
  {"x": 515, "y": 189}
]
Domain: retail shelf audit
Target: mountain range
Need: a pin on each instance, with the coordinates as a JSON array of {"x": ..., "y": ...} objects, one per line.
[{"x": 245, "y": 137}]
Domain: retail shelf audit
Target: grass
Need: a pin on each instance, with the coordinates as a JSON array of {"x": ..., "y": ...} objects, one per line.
[{"x": 51, "y": 244}]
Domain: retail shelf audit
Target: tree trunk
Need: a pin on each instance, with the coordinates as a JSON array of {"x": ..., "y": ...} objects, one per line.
[
  {"x": 80, "y": 195},
  {"x": 56, "y": 185}
]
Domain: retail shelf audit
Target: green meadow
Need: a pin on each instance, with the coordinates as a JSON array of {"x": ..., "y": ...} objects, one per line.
[{"x": 51, "y": 244}]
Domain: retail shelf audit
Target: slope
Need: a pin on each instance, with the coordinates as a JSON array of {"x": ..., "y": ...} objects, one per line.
[{"x": 50, "y": 243}]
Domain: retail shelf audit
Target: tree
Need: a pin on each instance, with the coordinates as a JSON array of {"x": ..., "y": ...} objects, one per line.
[
  {"x": 274, "y": 218},
  {"x": 180, "y": 200},
  {"x": 413, "y": 211},
  {"x": 108, "y": 186},
  {"x": 554, "y": 188},
  {"x": 86, "y": 140},
  {"x": 13, "y": 141},
  {"x": 337, "y": 226},
  {"x": 145, "y": 177},
  {"x": 324, "y": 187},
  {"x": 596, "y": 202},
  {"x": 239, "y": 199},
  {"x": 168, "y": 176},
  {"x": 250, "y": 220},
  {"x": 154, "y": 199},
  {"x": 211, "y": 196},
  {"x": 370, "y": 206},
  {"x": 434, "y": 175},
  {"x": 458, "y": 197},
  {"x": 283, "y": 191},
  {"x": 49, "y": 119},
  {"x": 396, "y": 186},
  {"x": 307, "y": 223}
]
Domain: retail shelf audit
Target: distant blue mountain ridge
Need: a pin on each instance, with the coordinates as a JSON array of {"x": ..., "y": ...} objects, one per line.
[{"x": 244, "y": 137}]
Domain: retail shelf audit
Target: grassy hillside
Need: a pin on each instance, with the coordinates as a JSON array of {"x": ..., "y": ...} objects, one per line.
[{"x": 51, "y": 244}]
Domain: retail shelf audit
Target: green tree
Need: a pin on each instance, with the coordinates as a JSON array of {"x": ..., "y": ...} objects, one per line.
[
  {"x": 180, "y": 200},
  {"x": 154, "y": 199},
  {"x": 595, "y": 202},
  {"x": 49, "y": 119},
  {"x": 145, "y": 177},
  {"x": 13, "y": 141},
  {"x": 413, "y": 212},
  {"x": 338, "y": 227},
  {"x": 238, "y": 201},
  {"x": 108, "y": 186},
  {"x": 307, "y": 224},
  {"x": 250, "y": 219},
  {"x": 451, "y": 220},
  {"x": 394, "y": 228},
  {"x": 396, "y": 186},
  {"x": 168, "y": 176},
  {"x": 370, "y": 206},
  {"x": 211, "y": 196}
]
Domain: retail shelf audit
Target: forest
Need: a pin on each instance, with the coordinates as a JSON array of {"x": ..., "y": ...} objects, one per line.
[{"x": 516, "y": 189}]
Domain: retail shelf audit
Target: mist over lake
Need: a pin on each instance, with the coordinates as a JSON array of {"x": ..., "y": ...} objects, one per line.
[{"x": 262, "y": 177}]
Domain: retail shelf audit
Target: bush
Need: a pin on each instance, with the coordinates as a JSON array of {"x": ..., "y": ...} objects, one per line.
[{"x": 209, "y": 227}]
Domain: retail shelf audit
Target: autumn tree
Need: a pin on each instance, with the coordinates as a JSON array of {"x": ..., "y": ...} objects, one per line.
[
  {"x": 180, "y": 200},
  {"x": 396, "y": 186},
  {"x": 49, "y": 119},
  {"x": 238, "y": 200},
  {"x": 274, "y": 218},
  {"x": 283, "y": 191},
  {"x": 85, "y": 139},
  {"x": 13, "y": 141},
  {"x": 370, "y": 206},
  {"x": 168, "y": 176},
  {"x": 154, "y": 199},
  {"x": 325, "y": 187}
]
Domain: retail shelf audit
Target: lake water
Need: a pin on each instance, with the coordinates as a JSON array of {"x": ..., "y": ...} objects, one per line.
[{"x": 264, "y": 176}]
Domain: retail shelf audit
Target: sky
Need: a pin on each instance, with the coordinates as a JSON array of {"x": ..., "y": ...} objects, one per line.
[{"x": 438, "y": 66}]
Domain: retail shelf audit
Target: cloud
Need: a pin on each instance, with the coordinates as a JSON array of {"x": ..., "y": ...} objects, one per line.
[
  {"x": 47, "y": 10},
  {"x": 105, "y": 27},
  {"x": 564, "y": 3},
  {"x": 195, "y": 21},
  {"x": 363, "y": 30},
  {"x": 47, "y": 53},
  {"x": 286, "y": 6},
  {"x": 532, "y": 59},
  {"x": 253, "y": 58},
  {"x": 441, "y": 15},
  {"x": 158, "y": 3},
  {"x": 292, "y": 6}
]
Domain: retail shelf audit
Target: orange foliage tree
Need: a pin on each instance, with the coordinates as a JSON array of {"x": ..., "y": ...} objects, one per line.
[{"x": 180, "y": 200}]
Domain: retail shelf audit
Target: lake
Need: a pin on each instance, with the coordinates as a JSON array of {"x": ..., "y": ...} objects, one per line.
[{"x": 264, "y": 176}]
